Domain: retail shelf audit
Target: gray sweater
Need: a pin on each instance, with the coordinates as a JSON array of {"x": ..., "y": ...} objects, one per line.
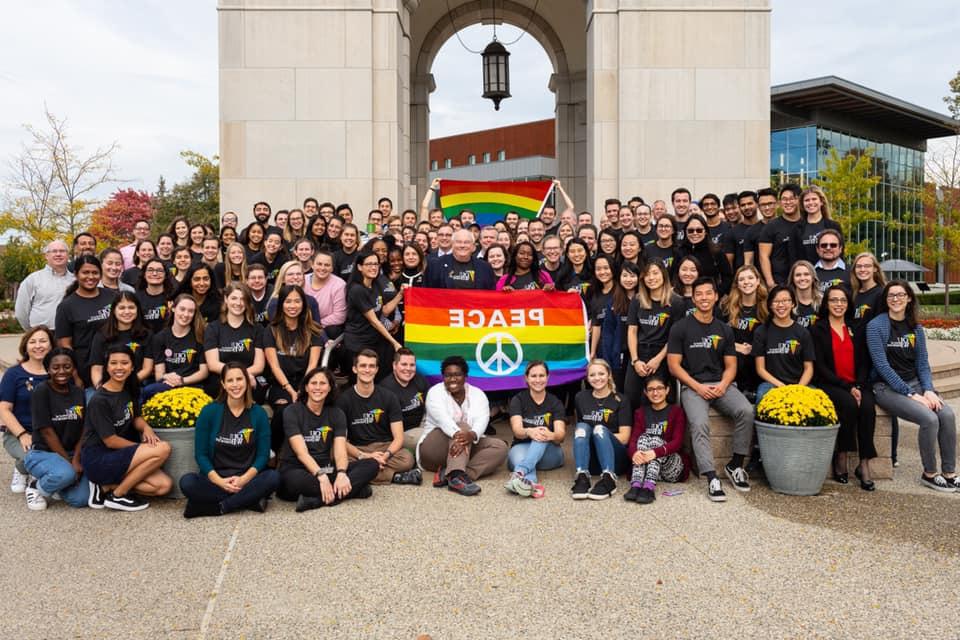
[{"x": 38, "y": 297}]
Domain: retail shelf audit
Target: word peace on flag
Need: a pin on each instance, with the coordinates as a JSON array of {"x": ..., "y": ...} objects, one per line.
[{"x": 497, "y": 333}]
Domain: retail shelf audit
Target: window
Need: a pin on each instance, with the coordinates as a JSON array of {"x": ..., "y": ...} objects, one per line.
[
  {"x": 501, "y": 155},
  {"x": 486, "y": 157},
  {"x": 434, "y": 165},
  {"x": 471, "y": 159},
  {"x": 448, "y": 163}
]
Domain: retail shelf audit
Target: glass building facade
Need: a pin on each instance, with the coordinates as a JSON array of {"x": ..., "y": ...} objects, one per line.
[{"x": 798, "y": 154}]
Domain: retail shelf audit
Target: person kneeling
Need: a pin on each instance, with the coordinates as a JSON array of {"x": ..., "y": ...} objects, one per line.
[
  {"x": 314, "y": 469},
  {"x": 232, "y": 447},
  {"x": 453, "y": 441},
  {"x": 655, "y": 444}
]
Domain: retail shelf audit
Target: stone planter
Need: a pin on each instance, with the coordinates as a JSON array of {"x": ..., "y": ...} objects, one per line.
[
  {"x": 181, "y": 460},
  {"x": 796, "y": 460}
]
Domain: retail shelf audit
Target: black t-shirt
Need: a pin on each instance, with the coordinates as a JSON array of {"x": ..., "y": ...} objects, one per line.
[
  {"x": 807, "y": 233},
  {"x": 533, "y": 414},
  {"x": 62, "y": 411},
  {"x": 784, "y": 350},
  {"x": 233, "y": 345},
  {"x": 234, "y": 448},
  {"x": 318, "y": 433},
  {"x": 293, "y": 364},
  {"x": 142, "y": 347},
  {"x": 599, "y": 305},
  {"x": 656, "y": 420},
  {"x": 806, "y": 315},
  {"x": 360, "y": 299},
  {"x": 902, "y": 350},
  {"x": 523, "y": 283},
  {"x": 666, "y": 257},
  {"x": 369, "y": 419},
  {"x": 746, "y": 324},
  {"x": 779, "y": 233},
  {"x": 703, "y": 347},
  {"x": 272, "y": 266},
  {"x": 752, "y": 238},
  {"x": 410, "y": 397},
  {"x": 739, "y": 235},
  {"x": 261, "y": 314},
  {"x": 653, "y": 324},
  {"x": 79, "y": 319},
  {"x": 722, "y": 237},
  {"x": 153, "y": 310},
  {"x": 108, "y": 414},
  {"x": 343, "y": 264},
  {"x": 681, "y": 307},
  {"x": 182, "y": 356},
  {"x": 612, "y": 412},
  {"x": 831, "y": 277},
  {"x": 647, "y": 238},
  {"x": 460, "y": 275},
  {"x": 865, "y": 306}
]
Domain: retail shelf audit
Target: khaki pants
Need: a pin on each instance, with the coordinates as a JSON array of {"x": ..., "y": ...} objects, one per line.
[
  {"x": 477, "y": 460},
  {"x": 411, "y": 438},
  {"x": 400, "y": 461}
]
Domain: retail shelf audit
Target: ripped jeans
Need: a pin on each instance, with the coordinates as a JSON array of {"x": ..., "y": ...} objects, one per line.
[{"x": 596, "y": 449}]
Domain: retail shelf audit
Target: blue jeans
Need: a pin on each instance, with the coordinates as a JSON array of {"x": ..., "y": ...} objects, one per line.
[
  {"x": 762, "y": 390},
  {"x": 533, "y": 455},
  {"x": 610, "y": 453},
  {"x": 53, "y": 474}
]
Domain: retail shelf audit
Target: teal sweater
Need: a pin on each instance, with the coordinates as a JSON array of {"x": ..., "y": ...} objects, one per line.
[{"x": 208, "y": 426}]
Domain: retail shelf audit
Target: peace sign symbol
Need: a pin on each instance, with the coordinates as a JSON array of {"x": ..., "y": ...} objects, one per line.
[{"x": 499, "y": 363}]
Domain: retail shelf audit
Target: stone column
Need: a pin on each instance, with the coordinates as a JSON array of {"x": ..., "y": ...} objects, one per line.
[
  {"x": 571, "y": 118},
  {"x": 603, "y": 88},
  {"x": 423, "y": 86}
]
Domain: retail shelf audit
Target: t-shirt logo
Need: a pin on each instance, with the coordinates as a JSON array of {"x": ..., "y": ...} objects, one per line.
[
  {"x": 747, "y": 324},
  {"x": 711, "y": 341},
  {"x": 370, "y": 417},
  {"x": 657, "y": 428},
  {"x": 539, "y": 421},
  {"x": 861, "y": 311},
  {"x": 239, "y": 346},
  {"x": 318, "y": 435},
  {"x": 784, "y": 348},
  {"x": 247, "y": 434},
  {"x": 662, "y": 318},
  {"x": 469, "y": 275},
  {"x": 189, "y": 353},
  {"x": 415, "y": 402},
  {"x": 246, "y": 343},
  {"x": 906, "y": 341},
  {"x": 668, "y": 262},
  {"x": 73, "y": 413},
  {"x": 101, "y": 315},
  {"x": 133, "y": 346}
]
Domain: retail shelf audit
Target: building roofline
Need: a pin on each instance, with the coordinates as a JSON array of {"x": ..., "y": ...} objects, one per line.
[{"x": 506, "y": 126}]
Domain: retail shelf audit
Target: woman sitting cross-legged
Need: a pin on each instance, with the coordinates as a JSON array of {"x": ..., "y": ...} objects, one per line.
[
  {"x": 453, "y": 441},
  {"x": 655, "y": 443},
  {"x": 537, "y": 421},
  {"x": 121, "y": 453},
  {"x": 314, "y": 468},
  {"x": 232, "y": 447}
]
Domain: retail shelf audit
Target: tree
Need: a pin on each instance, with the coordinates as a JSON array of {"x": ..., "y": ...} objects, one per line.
[
  {"x": 941, "y": 195},
  {"x": 51, "y": 184},
  {"x": 17, "y": 261},
  {"x": 848, "y": 182},
  {"x": 197, "y": 198},
  {"x": 112, "y": 224}
]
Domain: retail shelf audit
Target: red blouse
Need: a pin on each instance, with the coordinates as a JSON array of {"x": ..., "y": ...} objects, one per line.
[{"x": 843, "y": 355}]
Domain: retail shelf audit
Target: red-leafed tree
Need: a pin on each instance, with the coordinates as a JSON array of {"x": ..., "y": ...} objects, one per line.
[{"x": 112, "y": 224}]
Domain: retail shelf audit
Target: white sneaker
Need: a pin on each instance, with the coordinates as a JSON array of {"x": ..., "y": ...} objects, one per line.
[
  {"x": 18, "y": 483},
  {"x": 35, "y": 500},
  {"x": 715, "y": 491}
]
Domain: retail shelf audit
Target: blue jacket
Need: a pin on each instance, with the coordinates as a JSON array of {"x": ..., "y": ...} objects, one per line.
[
  {"x": 610, "y": 348},
  {"x": 208, "y": 427},
  {"x": 878, "y": 334},
  {"x": 438, "y": 268}
]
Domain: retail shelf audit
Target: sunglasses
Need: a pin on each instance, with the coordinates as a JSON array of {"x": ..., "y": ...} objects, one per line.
[{"x": 829, "y": 245}]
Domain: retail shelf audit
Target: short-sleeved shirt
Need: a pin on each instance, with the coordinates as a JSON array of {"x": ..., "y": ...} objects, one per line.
[
  {"x": 612, "y": 411},
  {"x": 653, "y": 324},
  {"x": 747, "y": 322},
  {"x": 722, "y": 237},
  {"x": 808, "y": 234},
  {"x": 656, "y": 421},
  {"x": 233, "y": 344},
  {"x": 779, "y": 233},
  {"x": 343, "y": 264},
  {"x": 142, "y": 347},
  {"x": 16, "y": 387},
  {"x": 63, "y": 412},
  {"x": 534, "y": 414},
  {"x": 318, "y": 431},
  {"x": 865, "y": 306},
  {"x": 153, "y": 310},
  {"x": 293, "y": 364},
  {"x": 261, "y": 313},
  {"x": 360, "y": 299},
  {"x": 79, "y": 319},
  {"x": 369, "y": 419},
  {"x": 599, "y": 306},
  {"x": 752, "y": 239},
  {"x": 806, "y": 315},
  {"x": 110, "y": 413},
  {"x": 182, "y": 356},
  {"x": 901, "y": 350},
  {"x": 410, "y": 397},
  {"x": 666, "y": 257},
  {"x": 702, "y": 346},
  {"x": 739, "y": 235},
  {"x": 234, "y": 447},
  {"x": 784, "y": 350},
  {"x": 831, "y": 277}
]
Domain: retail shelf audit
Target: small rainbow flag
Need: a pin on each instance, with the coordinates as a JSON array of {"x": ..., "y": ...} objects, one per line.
[
  {"x": 497, "y": 333},
  {"x": 490, "y": 201}
]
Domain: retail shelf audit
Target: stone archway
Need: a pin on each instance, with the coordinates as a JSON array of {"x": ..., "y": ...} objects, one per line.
[{"x": 431, "y": 30}]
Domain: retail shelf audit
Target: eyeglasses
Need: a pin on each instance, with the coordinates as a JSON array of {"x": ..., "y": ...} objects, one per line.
[
  {"x": 156, "y": 270},
  {"x": 656, "y": 389},
  {"x": 837, "y": 300},
  {"x": 829, "y": 245},
  {"x": 897, "y": 296},
  {"x": 780, "y": 303}
]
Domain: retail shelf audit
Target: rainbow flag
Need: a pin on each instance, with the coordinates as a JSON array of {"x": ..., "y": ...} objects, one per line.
[
  {"x": 490, "y": 201},
  {"x": 497, "y": 333}
]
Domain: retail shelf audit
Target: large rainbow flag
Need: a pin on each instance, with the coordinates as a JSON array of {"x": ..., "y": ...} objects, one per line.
[
  {"x": 497, "y": 333},
  {"x": 491, "y": 200}
]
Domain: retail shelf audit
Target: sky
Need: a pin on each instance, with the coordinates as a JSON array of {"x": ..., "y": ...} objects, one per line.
[{"x": 143, "y": 73}]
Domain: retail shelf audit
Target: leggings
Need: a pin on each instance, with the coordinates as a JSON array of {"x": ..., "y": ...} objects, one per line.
[
  {"x": 296, "y": 481},
  {"x": 668, "y": 468}
]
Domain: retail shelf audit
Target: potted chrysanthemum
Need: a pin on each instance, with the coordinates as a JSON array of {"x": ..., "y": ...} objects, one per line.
[
  {"x": 173, "y": 414},
  {"x": 796, "y": 430}
]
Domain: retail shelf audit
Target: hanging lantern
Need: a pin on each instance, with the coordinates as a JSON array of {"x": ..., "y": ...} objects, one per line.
[{"x": 496, "y": 73}]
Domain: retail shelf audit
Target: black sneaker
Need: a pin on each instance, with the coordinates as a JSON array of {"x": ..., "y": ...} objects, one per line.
[
  {"x": 606, "y": 486},
  {"x": 362, "y": 493},
  {"x": 937, "y": 483},
  {"x": 95, "y": 501},
  {"x": 632, "y": 494},
  {"x": 755, "y": 464},
  {"x": 646, "y": 496},
  {"x": 195, "y": 509},
  {"x": 306, "y": 503},
  {"x": 581, "y": 487},
  {"x": 260, "y": 506},
  {"x": 413, "y": 476},
  {"x": 462, "y": 484},
  {"x": 715, "y": 491},
  {"x": 129, "y": 502},
  {"x": 738, "y": 477}
]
